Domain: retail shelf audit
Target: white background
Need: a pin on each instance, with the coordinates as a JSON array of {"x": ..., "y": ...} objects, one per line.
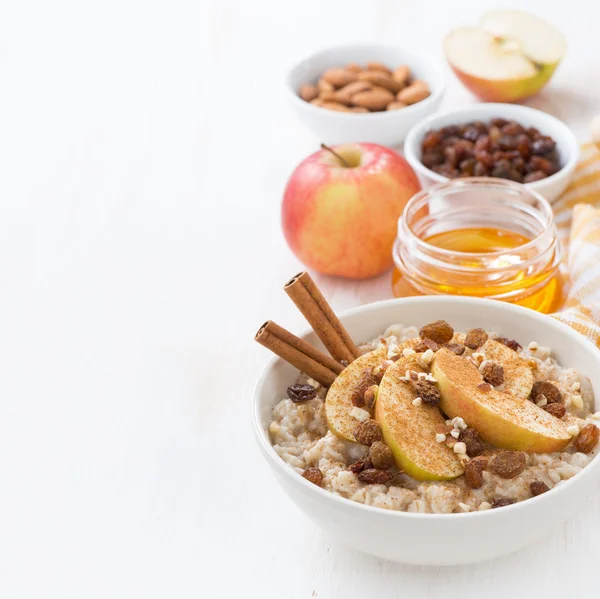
[{"x": 144, "y": 147}]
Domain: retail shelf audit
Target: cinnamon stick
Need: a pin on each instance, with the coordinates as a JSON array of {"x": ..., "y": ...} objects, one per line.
[
  {"x": 313, "y": 305},
  {"x": 298, "y": 353}
]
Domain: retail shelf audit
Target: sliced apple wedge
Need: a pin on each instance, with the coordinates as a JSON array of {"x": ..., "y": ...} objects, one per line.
[
  {"x": 510, "y": 56},
  {"x": 499, "y": 418},
  {"x": 338, "y": 403},
  {"x": 410, "y": 430}
]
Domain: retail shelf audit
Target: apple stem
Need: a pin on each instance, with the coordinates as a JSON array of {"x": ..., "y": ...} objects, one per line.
[{"x": 340, "y": 158}]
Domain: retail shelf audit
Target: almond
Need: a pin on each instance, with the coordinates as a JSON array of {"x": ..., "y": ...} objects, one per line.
[
  {"x": 396, "y": 105},
  {"x": 317, "y": 102},
  {"x": 381, "y": 80},
  {"x": 353, "y": 67},
  {"x": 402, "y": 74},
  {"x": 378, "y": 66},
  {"x": 308, "y": 92},
  {"x": 324, "y": 86},
  {"x": 335, "y": 106},
  {"x": 415, "y": 92},
  {"x": 357, "y": 109},
  {"x": 339, "y": 77},
  {"x": 344, "y": 95},
  {"x": 375, "y": 99}
]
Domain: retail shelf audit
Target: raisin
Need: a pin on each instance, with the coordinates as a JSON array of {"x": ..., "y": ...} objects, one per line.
[
  {"x": 360, "y": 466},
  {"x": 543, "y": 145},
  {"x": 537, "y": 488},
  {"x": 431, "y": 139},
  {"x": 556, "y": 409},
  {"x": 587, "y": 438},
  {"x": 373, "y": 476},
  {"x": 439, "y": 331},
  {"x": 475, "y": 338},
  {"x": 470, "y": 437},
  {"x": 426, "y": 344},
  {"x": 300, "y": 393},
  {"x": 499, "y": 122},
  {"x": 510, "y": 343},
  {"x": 537, "y": 163},
  {"x": 474, "y": 472},
  {"x": 548, "y": 390},
  {"x": 534, "y": 176},
  {"x": 366, "y": 380},
  {"x": 381, "y": 456},
  {"x": 428, "y": 392},
  {"x": 513, "y": 128},
  {"x": 367, "y": 432},
  {"x": 524, "y": 146},
  {"x": 431, "y": 158},
  {"x": 467, "y": 167},
  {"x": 533, "y": 132},
  {"x": 456, "y": 348},
  {"x": 508, "y": 464},
  {"x": 314, "y": 475},
  {"x": 481, "y": 170},
  {"x": 492, "y": 372},
  {"x": 502, "y": 502},
  {"x": 502, "y": 169},
  {"x": 471, "y": 133},
  {"x": 451, "y": 130},
  {"x": 508, "y": 142}
]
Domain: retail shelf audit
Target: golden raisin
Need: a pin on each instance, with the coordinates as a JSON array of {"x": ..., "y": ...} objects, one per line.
[
  {"x": 428, "y": 392},
  {"x": 556, "y": 409},
  {"x": 510, "y": 343},
  {"x": 508, "y": 464},
  {"x": 439, "y": 331},
  {"x": 368, "y": 432},
  {"x": 314, "y": 475},
  {"x": 587, "y": 438},
  {"x": 373, "y": 476},
  {"x": 475, "y": 338},
  {"x": 426, "y": 344},
  {"x": 502, "y": 502},
  {"x": 470, "y": 437},
  {"x": 474, "y": 472},
  {"x": 456, "y": 348},
  {"x": 538, "y": 487},
  {"x": 381, "y": 456}
]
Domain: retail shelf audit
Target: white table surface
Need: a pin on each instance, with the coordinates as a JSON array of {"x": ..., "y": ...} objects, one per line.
[{"x": 144, "y": 148}]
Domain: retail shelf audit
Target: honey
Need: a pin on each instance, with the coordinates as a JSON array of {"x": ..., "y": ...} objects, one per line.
[{"x": 505, "y": 249}]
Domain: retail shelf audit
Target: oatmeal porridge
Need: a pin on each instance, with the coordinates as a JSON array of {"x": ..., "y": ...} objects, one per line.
[{"x": 402, "y": 428}]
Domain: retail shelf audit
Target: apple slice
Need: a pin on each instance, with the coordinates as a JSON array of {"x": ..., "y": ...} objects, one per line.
[
  {"x": 499, "y": 418},
  {"x": 410, "y": 430},
  {"x": 338, "y": 403},
  {"x": 510, "y": 56}
]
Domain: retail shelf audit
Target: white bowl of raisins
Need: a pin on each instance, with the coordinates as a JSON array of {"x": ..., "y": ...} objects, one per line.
[{"x": 505, "y": 141}]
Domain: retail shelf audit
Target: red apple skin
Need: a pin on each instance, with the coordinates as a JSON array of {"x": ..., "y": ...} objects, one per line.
[{"x": 343, "y": 221}]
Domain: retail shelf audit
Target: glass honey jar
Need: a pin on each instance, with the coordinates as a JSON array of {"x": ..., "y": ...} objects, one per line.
[{"x": 480, "y": 237}]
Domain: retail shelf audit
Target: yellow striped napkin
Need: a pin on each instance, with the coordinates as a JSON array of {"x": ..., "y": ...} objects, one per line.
[{"x": 577, "y": 215}]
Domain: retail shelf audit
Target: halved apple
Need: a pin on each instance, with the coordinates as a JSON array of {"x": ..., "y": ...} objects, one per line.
[
  {"x": 338, "y": 403},
  {"x": 410, "y": 430},
  {"x": 499, "y": 418},
  {"x": 510, "y": 56}
]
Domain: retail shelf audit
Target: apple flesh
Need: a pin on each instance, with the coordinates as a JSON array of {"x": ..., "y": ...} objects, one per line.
[
  {"x": 409, "y": 430},
  {"x": 500, "y": 419},
  {"x": 510, "y": 56},
  {"x": 341, "y": 219}
]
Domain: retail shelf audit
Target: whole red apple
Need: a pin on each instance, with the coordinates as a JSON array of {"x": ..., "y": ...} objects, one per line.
[{"x": 341, "y": 208}]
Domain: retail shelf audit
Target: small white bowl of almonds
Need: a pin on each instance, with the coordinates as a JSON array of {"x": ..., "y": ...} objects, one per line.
[{"x": 364, "y": 93}]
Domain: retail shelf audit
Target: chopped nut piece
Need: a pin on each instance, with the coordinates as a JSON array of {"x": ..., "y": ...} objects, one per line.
[
  {"x": 471, "y": 438},
  {"x": 538, "y": 487},
  {"x": 426, "y": 344},
  {"x": 552, "y": 393},
  {"x": 314, "y": 475},
  {"x": 510, "y": 343},
  {"x": 484, "y": 505},
  {"x": 455, "y": 433},
  {"x": 368, "y": 432},
  {"x": 370, "y": 395},
  {"x": 381, "y": 456},
  {"x": 577, "y": 401},
  {"x": 508, "y": 464},
  {"x": 556, "y": 409},
  {"x": 460, "y": 447},
  {"x": 492, "y": 373},
  {"x": 476, "y": 338},
  {"x": 576, "y": 386},
  {"x": 439, "y": 331},
  {"x": 380, "y": 371},
  {"x": 417, "y": 401},
  {"x": 428, "y": 392},
  {"x": 440, "y": 437},
  {"x": 372, "y": 476},
  {"x": 459, "y": 423},
  {"x": 408, "y": 351},
  {"x": 474, "y": 472},
  {"x": 360, "y": 414},
  {"x": 485, "y": 387},
  {"x": 573, "y": 430},
  {"x": 588, "y": 438},
  {"x": 502, "y": 502},
  {"x": 542, "y": 401},
  {"x": 427, "y": 356},
  {"x": 457, "y": 348},
  {"x": 464, "y": 507},
  {"x": 301, "y": 393}
]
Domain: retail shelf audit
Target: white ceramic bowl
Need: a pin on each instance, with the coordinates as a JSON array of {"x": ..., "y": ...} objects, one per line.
[
  {"x": 435, "y": 539},
  {"x": 386, "y": 128},
  {"x": 566, "y": 143}
]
